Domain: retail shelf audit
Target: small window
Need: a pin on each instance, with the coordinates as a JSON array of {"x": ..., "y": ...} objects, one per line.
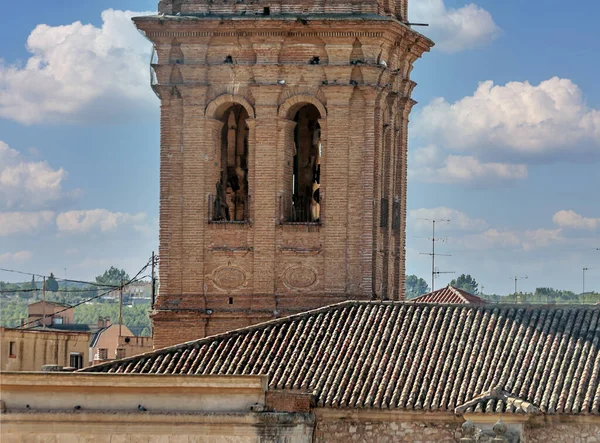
[
  {"x": 384, "y": 213},
  {"x": 76, "y": 360},
  {"x": 396, "y": 215},
  {"x": 57, "y": 320},
  {"x": 230, "y": 300},
  {"x": 12, "y": 349},
  {"x": 267, "y": 11},
  {"x": 102, "y": 354},
  {"x": 120, "y": 353}
]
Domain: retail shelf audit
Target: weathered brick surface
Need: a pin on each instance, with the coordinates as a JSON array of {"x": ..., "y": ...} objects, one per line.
[
  {"x": 286, "y": 401},
  {"x": 218, "y": 276}
]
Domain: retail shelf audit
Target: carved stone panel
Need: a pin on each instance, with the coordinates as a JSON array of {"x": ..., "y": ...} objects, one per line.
[
  {"x": 229, "y": 277},
  {"x": 299, "y": 277}
]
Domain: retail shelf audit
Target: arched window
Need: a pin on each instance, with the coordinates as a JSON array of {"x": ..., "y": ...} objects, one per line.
[
  {"x": 230, "y": 203},
  {"x": 306, "y": 172}
]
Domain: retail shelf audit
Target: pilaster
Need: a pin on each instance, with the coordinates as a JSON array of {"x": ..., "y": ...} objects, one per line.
[
  {"x": 335, "y": 201},
  {"x": 195, "y": 145},
  {"x": 265, "y": 190}
]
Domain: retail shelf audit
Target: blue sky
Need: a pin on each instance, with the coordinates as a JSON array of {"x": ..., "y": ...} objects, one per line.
[{"x": 505, "y": 141}]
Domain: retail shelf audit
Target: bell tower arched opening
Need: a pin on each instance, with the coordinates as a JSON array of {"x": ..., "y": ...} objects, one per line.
[
  {"x": 306, "y": 171},
  {"x": 231, "y": 202}
]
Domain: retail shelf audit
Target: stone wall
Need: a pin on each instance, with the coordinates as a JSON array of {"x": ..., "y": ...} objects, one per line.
[
  {"x": 562, "y": 433},
  {"x": 386, "y": 432}
]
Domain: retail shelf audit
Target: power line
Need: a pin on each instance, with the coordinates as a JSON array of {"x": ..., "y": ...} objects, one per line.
[
  {"x": 133, "y": 280},
  {"x": 77, "y": 304},
  {"x": 57, "y": 279},
  {"x": 14, "y": 291}
]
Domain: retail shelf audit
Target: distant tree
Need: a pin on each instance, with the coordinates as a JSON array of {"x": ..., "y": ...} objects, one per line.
[
  {"x": 51, "y": 283},
  {"x": 113, "y": 277},
  {"x": 466, "y": 283},
  {"x": 414, "y": 286}
]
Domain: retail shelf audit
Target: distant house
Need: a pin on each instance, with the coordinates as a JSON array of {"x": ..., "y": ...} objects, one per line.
[
  {"x": 451, "y": 295},
  {"x": 110, "y": 342},
  {"x": 133, "y": 294},
  {"x": 50, "y": 335},
  {"x": 49, "y": 313},
  {"x": 30, "y": 349}
]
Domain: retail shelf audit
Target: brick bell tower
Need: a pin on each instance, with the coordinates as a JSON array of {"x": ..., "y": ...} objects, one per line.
[{"x": 283, "y": 157}]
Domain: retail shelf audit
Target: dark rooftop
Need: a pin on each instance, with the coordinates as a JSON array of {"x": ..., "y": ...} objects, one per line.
[{"x": 410, "y": 356}]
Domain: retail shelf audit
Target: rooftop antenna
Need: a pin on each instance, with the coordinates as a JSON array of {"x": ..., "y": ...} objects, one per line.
[
  {"x": 516, "y": 278},
  {"x": 583, "y": 288},
  {"x": 434, "y": 270}
]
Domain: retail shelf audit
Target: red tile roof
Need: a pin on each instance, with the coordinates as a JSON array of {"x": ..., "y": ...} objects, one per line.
[
  {"x": 449, "y": 294},
  {"x": 409, "y": 356}
]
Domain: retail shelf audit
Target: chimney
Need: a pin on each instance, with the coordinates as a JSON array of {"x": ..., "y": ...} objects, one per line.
[
  {"x": 107, "y": 322},
  {"x": 100, "y": 322}
]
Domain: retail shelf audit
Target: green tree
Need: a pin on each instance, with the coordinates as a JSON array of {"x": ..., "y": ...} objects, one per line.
[
  {"x": 113, "y": 277},
  {"x": 414, "y": 286},
  {"x": 51, "y": 283},
  {"x": 466, "y": 283}
]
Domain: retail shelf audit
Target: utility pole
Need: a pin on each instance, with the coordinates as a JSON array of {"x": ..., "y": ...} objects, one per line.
[
  {"x": 583, "y": 291},
  {"x": 153, "y": 281},
  {"x": 120, "y": 308},
  {"x": 517, "y": 278},
  {"x": 434, "y": 271},
  {"x": 44, "y": 304}
]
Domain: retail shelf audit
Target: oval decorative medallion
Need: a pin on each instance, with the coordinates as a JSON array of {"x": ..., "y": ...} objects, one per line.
[
  {"x": 300, "y": 277},
  {"x": 229, "y": 277}
]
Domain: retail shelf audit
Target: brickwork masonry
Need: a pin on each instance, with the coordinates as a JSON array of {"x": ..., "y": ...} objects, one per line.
[{"x": 355, "y": 74}]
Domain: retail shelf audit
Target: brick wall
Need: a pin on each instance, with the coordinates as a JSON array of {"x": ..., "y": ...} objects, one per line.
[
  {"x": 392, "y": 8},
  {"x": 218, "y": 276},
  {"x": 287, "y": 401}
]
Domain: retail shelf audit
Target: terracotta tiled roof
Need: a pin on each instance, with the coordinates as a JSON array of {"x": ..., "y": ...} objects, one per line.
[
  {"x": 449, "y": 294},
  {"x": 407, "y": 355}
]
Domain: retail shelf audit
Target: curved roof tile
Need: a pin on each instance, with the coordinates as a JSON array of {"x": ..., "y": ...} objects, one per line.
[{"x": 409, "y": 356}]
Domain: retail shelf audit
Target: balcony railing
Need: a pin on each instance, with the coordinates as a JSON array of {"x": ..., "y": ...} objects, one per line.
[
  {"x": 234, "y": 210},
  {"x": 298, "y": 211}
]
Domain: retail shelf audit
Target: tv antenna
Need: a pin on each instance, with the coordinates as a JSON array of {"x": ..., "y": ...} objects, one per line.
[
  {"x": 516, "y": 278},
  {"x": 433, "y": 238}
]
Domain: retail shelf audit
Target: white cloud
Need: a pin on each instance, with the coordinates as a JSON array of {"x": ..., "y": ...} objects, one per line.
[
  {"x": 455, "y": 29},
  {"x": 80, "y": 72},
  {"x": 458, "y": 220},
  {"x": 16, "y": 257},
  {"x": 431, "y": 166},
  {"x": 570, "y": 219},
  {"x": 540, "y": 238},
  {"x": 97, "y": 219},
  {"x": 24, "y": 222},
  {"x": 26, "y": 184},
  {"x": 518, "y": 117},
  {"x": 510, "y": 239}
]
